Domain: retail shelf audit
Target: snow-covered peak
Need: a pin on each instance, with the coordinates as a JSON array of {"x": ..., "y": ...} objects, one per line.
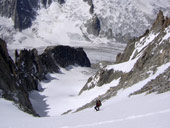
[
  {"x": 66, "y": 23},
  {"x": 128, "y": 16}
]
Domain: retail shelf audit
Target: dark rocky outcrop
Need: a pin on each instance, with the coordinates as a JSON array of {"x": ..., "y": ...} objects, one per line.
[
  {"x": 157, "y": 25},
  {"x": 53, "y": 57},
  {"x": 10, "y": 84},
  {"x": 64, "y": 56},
  {"x": 91, "y": 9},
  {"x": 61, "y": 1},
  {"x": 122, "y": 57},
  {"x": 19, "y": 78},
  {"x": 33, "y": 68},
  {"x": 109, "y": 34},
  {"x": 46, "y": 3},
  {"x": 100, "y": 78},
  {"x": 24, "y": 13},
  {"x": 160, "y": 85},
  {"x": 161, "y": 22},
  {"x": 93, "y": 26},
  {"x": 30, "y": 69}
]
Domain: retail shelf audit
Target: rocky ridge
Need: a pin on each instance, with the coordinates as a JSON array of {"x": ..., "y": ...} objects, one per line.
[
  {"x": 115, "y": 20},
  {"x": 111, "y": 19},
  {"x": 10, "y": 85},
  {"x": 149, "y": 53},
  {"x": 19, "y": 78}
]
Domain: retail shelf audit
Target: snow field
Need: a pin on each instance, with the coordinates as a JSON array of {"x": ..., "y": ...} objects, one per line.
[
  {"x": 61, "y": 92},
  {"x": 151, "y": 111}
]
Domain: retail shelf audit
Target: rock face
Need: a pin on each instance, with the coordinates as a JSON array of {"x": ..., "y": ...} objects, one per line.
[
  {"x": 30, "y": 69},
  {"x": 19, "y": 78},
  {"x": 46, "y": 3},
  {"x": 61, "y": 1},
  {"x": 102, "y": 77},
  {"x": 64, "y": 56},
  {"x": 10, "y": 84},
  {"x": 7, "y": 8},
  {"x": 151, "y": 51},
  {"x": 23, "y": 12},
  {"x": 93, "y": 26},
  {"x": 161, "y": 22}
]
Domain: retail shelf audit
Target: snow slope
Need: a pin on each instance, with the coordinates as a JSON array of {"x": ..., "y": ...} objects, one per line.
[
  {"x": 121, "y": 111},
  {"x": 151, "y": 111},
  {"x": 60, "y": 91}
]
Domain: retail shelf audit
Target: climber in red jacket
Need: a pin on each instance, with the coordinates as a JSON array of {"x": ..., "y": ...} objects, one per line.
[{"x": 98, "y": 104}]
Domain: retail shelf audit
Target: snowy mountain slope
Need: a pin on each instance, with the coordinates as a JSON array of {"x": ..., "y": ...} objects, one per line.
[
  {"x": 146, "y": 72},
  {"x": 128, "y": 16},
  {"x": 146, "y": 68},
  {"x": 66, "y": 24},
  {"x": 60, "y": 91},
  {"x": 138, "y": 111}
]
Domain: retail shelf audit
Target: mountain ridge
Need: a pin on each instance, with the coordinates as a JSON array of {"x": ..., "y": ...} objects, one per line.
[
  {"x": 115, "y": 18},
  {"x": 19, "y": 78},
  {"x": 147, "y": 62}
]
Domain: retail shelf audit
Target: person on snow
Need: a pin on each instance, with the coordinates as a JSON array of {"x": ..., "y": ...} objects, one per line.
[{"x": 98, "y": 104}]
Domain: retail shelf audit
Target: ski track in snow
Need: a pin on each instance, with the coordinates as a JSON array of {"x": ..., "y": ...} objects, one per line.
[{"x": 121, "y": 119}]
